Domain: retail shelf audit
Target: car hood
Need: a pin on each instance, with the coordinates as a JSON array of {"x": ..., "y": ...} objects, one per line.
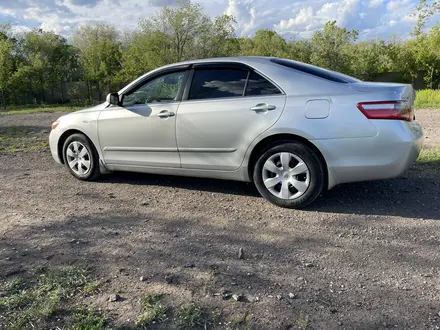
[
  {"x": 90, "y": 110},
  {"x": 95, "y": 108}
]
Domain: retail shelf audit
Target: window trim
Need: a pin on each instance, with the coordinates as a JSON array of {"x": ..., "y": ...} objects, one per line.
[
  {"x": 184, "y": 68},
  {"x": 226, "y": 65},
  {"x": 281, "y": 92}
]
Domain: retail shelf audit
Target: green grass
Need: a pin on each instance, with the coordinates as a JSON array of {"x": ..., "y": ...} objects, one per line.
[
  {"x": 23, "y": 138},
  {"x": 428, "y": 162},
  {"x": 35, "y": 109},
  {"x": 242, "y": 321},
  {"x": 84, "y": 319},
  {"x": 428, "y": 98},
  {"x": 153, "y": 311},
  {"x": 29, "y": 303},
  {"x": 191, "y": 317},
  {"x": 430, "y": 155}
]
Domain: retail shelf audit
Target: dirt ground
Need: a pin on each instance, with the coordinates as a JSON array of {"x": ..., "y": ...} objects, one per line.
[{"x": 363, "y": 256}]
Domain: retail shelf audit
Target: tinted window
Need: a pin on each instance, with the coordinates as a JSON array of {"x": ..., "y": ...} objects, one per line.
[
  {"x": 257, "y": 85},
  {"x": 313, "y": 70},
  {"x": 161, "y": 89},
  {"x": 217, "y": 83}
]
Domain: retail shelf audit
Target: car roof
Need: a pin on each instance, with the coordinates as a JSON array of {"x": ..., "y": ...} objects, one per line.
[{"x": 239, "y": 59}]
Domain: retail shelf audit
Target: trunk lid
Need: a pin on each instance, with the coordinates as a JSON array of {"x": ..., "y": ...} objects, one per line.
[{"x": 396, "y": 91}]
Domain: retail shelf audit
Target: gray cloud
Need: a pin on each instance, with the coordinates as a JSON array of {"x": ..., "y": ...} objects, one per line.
[
  {"x": 161, "y": 3},
  {"x": 373, "y": 18}
]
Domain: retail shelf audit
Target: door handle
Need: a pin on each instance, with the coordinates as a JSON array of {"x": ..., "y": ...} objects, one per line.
[
  {"x": 263, "y": 107},
  {"x": 165, "y": 113}
]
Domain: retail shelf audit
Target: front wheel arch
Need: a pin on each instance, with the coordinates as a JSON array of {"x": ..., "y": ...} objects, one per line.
[{"x": 63, "y": 139}]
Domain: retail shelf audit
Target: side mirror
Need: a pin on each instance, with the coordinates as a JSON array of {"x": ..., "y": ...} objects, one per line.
[{"x": 113, "y": 99}]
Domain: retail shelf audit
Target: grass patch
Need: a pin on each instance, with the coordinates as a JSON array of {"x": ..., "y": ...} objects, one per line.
[
  {"x": 36, "y": 109},
  {"x": 23, "y": 138},
  {"x": 242, "y": 322},
  {"x": 153, "y": 311},
  {"x": 429, "y": 161},
  {"x": 31, "y": 303},
  {"x": 302, "y": 323},
  {"x": 430, "y": 154},
  {"x": 427, "y": 98},
  {"x": 191, "y": 317},
  {"x": 83, "y": 319}
]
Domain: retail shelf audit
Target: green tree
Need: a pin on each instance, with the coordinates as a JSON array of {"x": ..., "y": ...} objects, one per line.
[
  {"x": 100, "y": 55},
  {"x": 425, "y": 10},
  {"x": 216, "y": 38},
  {"x": 44, "y": 61},
  {"x": 269, "y": 43},
  {"x": 6, "y": 67},
  {"x": 331, "y": 47},
  {"x": 370, "y": 58},
  {"x": 426, "y": 52},
  {"x": 265, "y": 43},
  {"x": 300, "y": 50},
  {"x": 176, "y": 34}
]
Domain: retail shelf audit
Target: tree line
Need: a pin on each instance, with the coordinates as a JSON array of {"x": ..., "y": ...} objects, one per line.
[{"x": 37, "y": 64}]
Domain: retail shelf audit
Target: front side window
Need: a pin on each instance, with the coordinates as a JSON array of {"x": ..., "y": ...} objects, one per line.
[
  {"x": 162, "y": 89},
  {"x": 217, "y": 83},
  {"x": 257, "y": 85}
]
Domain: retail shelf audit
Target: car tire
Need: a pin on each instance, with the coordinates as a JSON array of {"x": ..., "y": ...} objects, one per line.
[
  {"x": 81, "y": 158},
  {"x": 289, "y": 174}
]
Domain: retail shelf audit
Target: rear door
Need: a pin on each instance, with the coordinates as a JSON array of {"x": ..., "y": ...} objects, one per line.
[{"x": 224, "y": 108}]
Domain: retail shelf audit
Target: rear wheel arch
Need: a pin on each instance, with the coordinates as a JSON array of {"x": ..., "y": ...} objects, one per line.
[{"x": 273, "y": 140}]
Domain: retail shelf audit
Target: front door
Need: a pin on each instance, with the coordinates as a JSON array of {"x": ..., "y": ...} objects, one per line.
[
  {"x": 224, "y": 111},
  {"x": 141, "y": 132}
]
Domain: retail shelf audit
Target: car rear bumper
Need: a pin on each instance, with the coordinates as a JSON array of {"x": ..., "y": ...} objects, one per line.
[
  {"x": 388, "y": 154},
  {"x": 53, "y": 144}
]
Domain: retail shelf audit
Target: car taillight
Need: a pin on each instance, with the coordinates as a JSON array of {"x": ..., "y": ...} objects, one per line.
[{"x": 397, "y": 110}]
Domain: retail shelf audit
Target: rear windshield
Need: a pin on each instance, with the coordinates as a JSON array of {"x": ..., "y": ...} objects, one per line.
[{"x": 318, "y": 72}]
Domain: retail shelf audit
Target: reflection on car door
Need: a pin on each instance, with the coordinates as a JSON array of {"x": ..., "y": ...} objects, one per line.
[
  {"x": 141, "y": 132},
  {"x": 225, "y": 110}
]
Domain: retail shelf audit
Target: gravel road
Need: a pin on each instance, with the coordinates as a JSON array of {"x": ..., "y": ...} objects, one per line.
[{"x": 364, "y": 256}]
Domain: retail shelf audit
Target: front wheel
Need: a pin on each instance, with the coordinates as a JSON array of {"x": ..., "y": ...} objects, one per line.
[
  {"x": 289, "y": 175},
  {"x": 81, "y": 157}
]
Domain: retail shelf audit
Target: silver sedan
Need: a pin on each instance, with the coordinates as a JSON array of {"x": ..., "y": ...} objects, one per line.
[{"x": 290, "y": 128}]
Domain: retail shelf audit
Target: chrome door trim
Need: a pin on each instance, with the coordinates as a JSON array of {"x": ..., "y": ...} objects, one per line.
[
  {"x": 140, "y": 149},
  {"x": 225, "y": 150}
]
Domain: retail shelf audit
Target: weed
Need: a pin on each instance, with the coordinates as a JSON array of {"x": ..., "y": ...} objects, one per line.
[
  {"x": 152, "y": 311},
  {"x": 242, "y": 322},
  {"x": 303, "y": 323},
  {"x": 83, "y": 319},
  {"x": 28, "y": 304},
  {"x": 191, "y": 317},
  {"x": 92, "y": 287}
]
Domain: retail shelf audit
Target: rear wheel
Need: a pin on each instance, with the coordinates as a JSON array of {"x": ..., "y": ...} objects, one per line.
[
  {"x": 81, "y": 157},
  {"x": 289, "y": 175}
]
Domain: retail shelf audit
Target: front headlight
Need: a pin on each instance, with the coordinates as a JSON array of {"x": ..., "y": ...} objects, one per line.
[{"x": 55, "y": 124}]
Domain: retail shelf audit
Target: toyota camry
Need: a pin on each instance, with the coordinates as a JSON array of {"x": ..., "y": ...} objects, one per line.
[{"x": 291, "y": 128}]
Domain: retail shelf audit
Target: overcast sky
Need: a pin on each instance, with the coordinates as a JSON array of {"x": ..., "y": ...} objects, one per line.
[{"x": 290, "y": 18}]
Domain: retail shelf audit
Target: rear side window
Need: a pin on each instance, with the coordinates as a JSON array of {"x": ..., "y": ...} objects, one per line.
[
  {"x": 217, "y": 83},
  {"x": 257, "y": 85},
  {"x": 315, "y": 71}
]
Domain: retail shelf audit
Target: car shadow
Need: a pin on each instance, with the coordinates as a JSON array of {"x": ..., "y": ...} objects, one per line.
[{"x": 416, "y": 194}]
